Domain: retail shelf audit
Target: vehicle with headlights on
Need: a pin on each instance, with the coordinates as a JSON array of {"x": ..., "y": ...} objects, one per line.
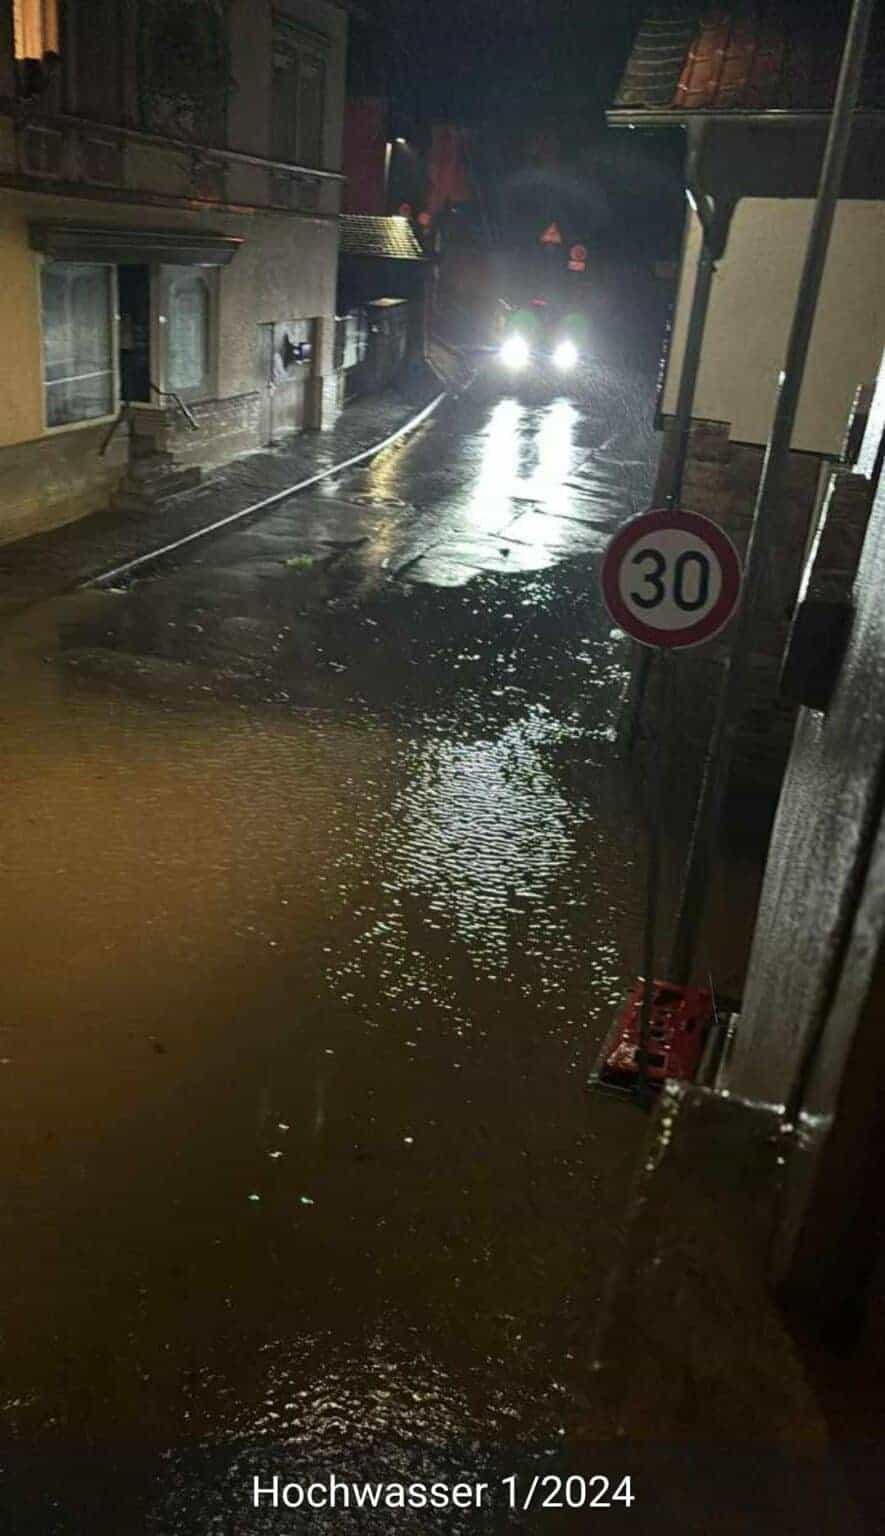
[{"x": 539, "y": 343}]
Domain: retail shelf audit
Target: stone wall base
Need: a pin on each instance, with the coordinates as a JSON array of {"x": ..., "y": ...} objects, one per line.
[
  {"x": 57, "y": 479},
  {"x": 224, "y": 429}
]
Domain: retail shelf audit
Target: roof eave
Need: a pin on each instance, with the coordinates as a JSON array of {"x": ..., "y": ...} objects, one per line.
[
  {"x": 379, "y": 256},
  {"x": 674, "y": 117}
]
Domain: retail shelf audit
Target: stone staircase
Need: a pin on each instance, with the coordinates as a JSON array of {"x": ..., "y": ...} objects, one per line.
[{"x": 153, "y": 476}]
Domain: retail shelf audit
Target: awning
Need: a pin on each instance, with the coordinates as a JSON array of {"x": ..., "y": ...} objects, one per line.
[{"x": 91, "y": 242}]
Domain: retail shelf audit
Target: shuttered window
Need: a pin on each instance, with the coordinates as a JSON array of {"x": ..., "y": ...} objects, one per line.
[{"x": 299, "y": 88}]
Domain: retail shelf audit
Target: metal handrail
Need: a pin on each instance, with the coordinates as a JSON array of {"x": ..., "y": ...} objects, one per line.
[
  {"x": 169, "y": 394},
  {"x": 125, "y": 414}
]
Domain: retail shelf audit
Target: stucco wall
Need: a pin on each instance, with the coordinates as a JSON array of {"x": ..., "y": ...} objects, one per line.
[
  {"x": 21, "y": 386},
  {"x": 285, "y": 269},
  {"x": 750, "y": 311}
]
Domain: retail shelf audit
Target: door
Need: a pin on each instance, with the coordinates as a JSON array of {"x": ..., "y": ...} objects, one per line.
[
  {"x": 134, "y": 309},
  {"x": 186, "y": 331}
]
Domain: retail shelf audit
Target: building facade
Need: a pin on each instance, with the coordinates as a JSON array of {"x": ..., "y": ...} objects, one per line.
[{"x": 170, "y": 181}]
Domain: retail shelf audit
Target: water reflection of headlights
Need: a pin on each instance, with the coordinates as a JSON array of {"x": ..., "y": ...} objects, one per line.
[
  {"x": 565, "y": 356},
  {"x": 515, "y": 352}
]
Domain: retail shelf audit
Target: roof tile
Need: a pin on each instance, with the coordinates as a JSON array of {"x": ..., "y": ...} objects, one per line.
[
  {"x": 369, "y": 234},
  {"x": 750, "y": 54}
]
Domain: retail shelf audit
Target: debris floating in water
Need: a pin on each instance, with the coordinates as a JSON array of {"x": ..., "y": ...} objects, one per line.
[
  {"x": 254, "y": 1197},
  {"x": 305, "y": 1200}
]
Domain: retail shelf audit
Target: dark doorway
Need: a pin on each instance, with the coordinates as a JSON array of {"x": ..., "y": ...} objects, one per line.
[{"x": 134, "y": 290}]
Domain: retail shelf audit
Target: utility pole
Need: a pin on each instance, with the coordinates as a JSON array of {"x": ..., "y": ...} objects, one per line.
[{"x": 769, "y": 499}]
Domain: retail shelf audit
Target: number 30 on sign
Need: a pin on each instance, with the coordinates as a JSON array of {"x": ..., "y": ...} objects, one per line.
[{"x": 671, "y": 578}]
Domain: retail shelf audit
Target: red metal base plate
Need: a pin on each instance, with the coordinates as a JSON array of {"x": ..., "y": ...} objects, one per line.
[{"x": 679, "y": 1022}]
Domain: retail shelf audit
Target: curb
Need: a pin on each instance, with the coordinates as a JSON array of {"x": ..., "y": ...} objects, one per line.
[{"x": 105, "y": 577}]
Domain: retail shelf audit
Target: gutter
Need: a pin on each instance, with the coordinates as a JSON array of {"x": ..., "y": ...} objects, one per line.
[{"x": 672, "y": 117}]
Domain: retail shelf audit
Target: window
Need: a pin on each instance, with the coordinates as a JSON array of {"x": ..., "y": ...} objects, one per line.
[
  {"x": 78, "y": 362},
  {"x": 35, "y": 26},
  {"x": 35, "y": 44},
  {"x": 183, "y": 67},
  {"x": 299, "y": 75},
  {"x": 187, "y": 334}
]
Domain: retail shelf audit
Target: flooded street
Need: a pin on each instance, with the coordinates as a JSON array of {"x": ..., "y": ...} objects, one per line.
[{"x": 322, "y": 878}]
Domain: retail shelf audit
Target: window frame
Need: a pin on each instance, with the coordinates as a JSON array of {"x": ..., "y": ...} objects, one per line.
[
  {"x": 114, "y": 316},
  {"x": 296, "y": 43}
]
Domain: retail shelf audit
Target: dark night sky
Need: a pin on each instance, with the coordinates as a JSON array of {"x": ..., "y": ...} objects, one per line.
[
  {"x": 533, "y": 66},
  {"x": 470, "y": 59}
]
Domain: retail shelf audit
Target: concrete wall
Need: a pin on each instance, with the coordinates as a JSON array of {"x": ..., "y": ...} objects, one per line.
[{"x": 750, "y": 311}]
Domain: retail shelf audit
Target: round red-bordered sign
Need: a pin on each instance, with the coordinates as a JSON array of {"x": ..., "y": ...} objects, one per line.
[{"x": 671, "y": 578}]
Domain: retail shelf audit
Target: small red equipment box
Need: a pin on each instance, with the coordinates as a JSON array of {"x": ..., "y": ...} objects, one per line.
[{"x": 679, "y": 1022}]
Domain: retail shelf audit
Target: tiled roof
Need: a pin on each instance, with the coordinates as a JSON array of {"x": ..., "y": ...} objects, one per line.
[
  {"x": 369, "y": 234},
  {"x": 754, "y": 56}
]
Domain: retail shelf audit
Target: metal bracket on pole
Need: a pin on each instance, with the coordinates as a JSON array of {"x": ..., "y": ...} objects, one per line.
[{"x": 768, "y": 500}]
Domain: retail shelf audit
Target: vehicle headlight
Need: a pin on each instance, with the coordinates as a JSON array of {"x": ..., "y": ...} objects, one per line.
[
  {"x": 515, "y": 352},
  {"x": 565, "y": 356}
]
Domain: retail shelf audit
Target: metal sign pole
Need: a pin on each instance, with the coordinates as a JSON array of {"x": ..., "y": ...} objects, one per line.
[
  {"x": 768, "y": 502},
  {"x": 670, "y": 578},
  {"x": 657, "y": 665}
]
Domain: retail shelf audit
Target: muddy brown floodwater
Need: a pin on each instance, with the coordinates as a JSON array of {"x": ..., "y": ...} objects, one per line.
[{"x": 299, "y": 1005}]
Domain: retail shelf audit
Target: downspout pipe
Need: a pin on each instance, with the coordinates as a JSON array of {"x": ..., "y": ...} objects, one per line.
[
  {"x": 713, "y": 232},
  {"x": 769, "y": 500}
]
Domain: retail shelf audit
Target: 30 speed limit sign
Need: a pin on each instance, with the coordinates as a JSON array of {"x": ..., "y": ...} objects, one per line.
[{"x": 671, "y": 578}]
